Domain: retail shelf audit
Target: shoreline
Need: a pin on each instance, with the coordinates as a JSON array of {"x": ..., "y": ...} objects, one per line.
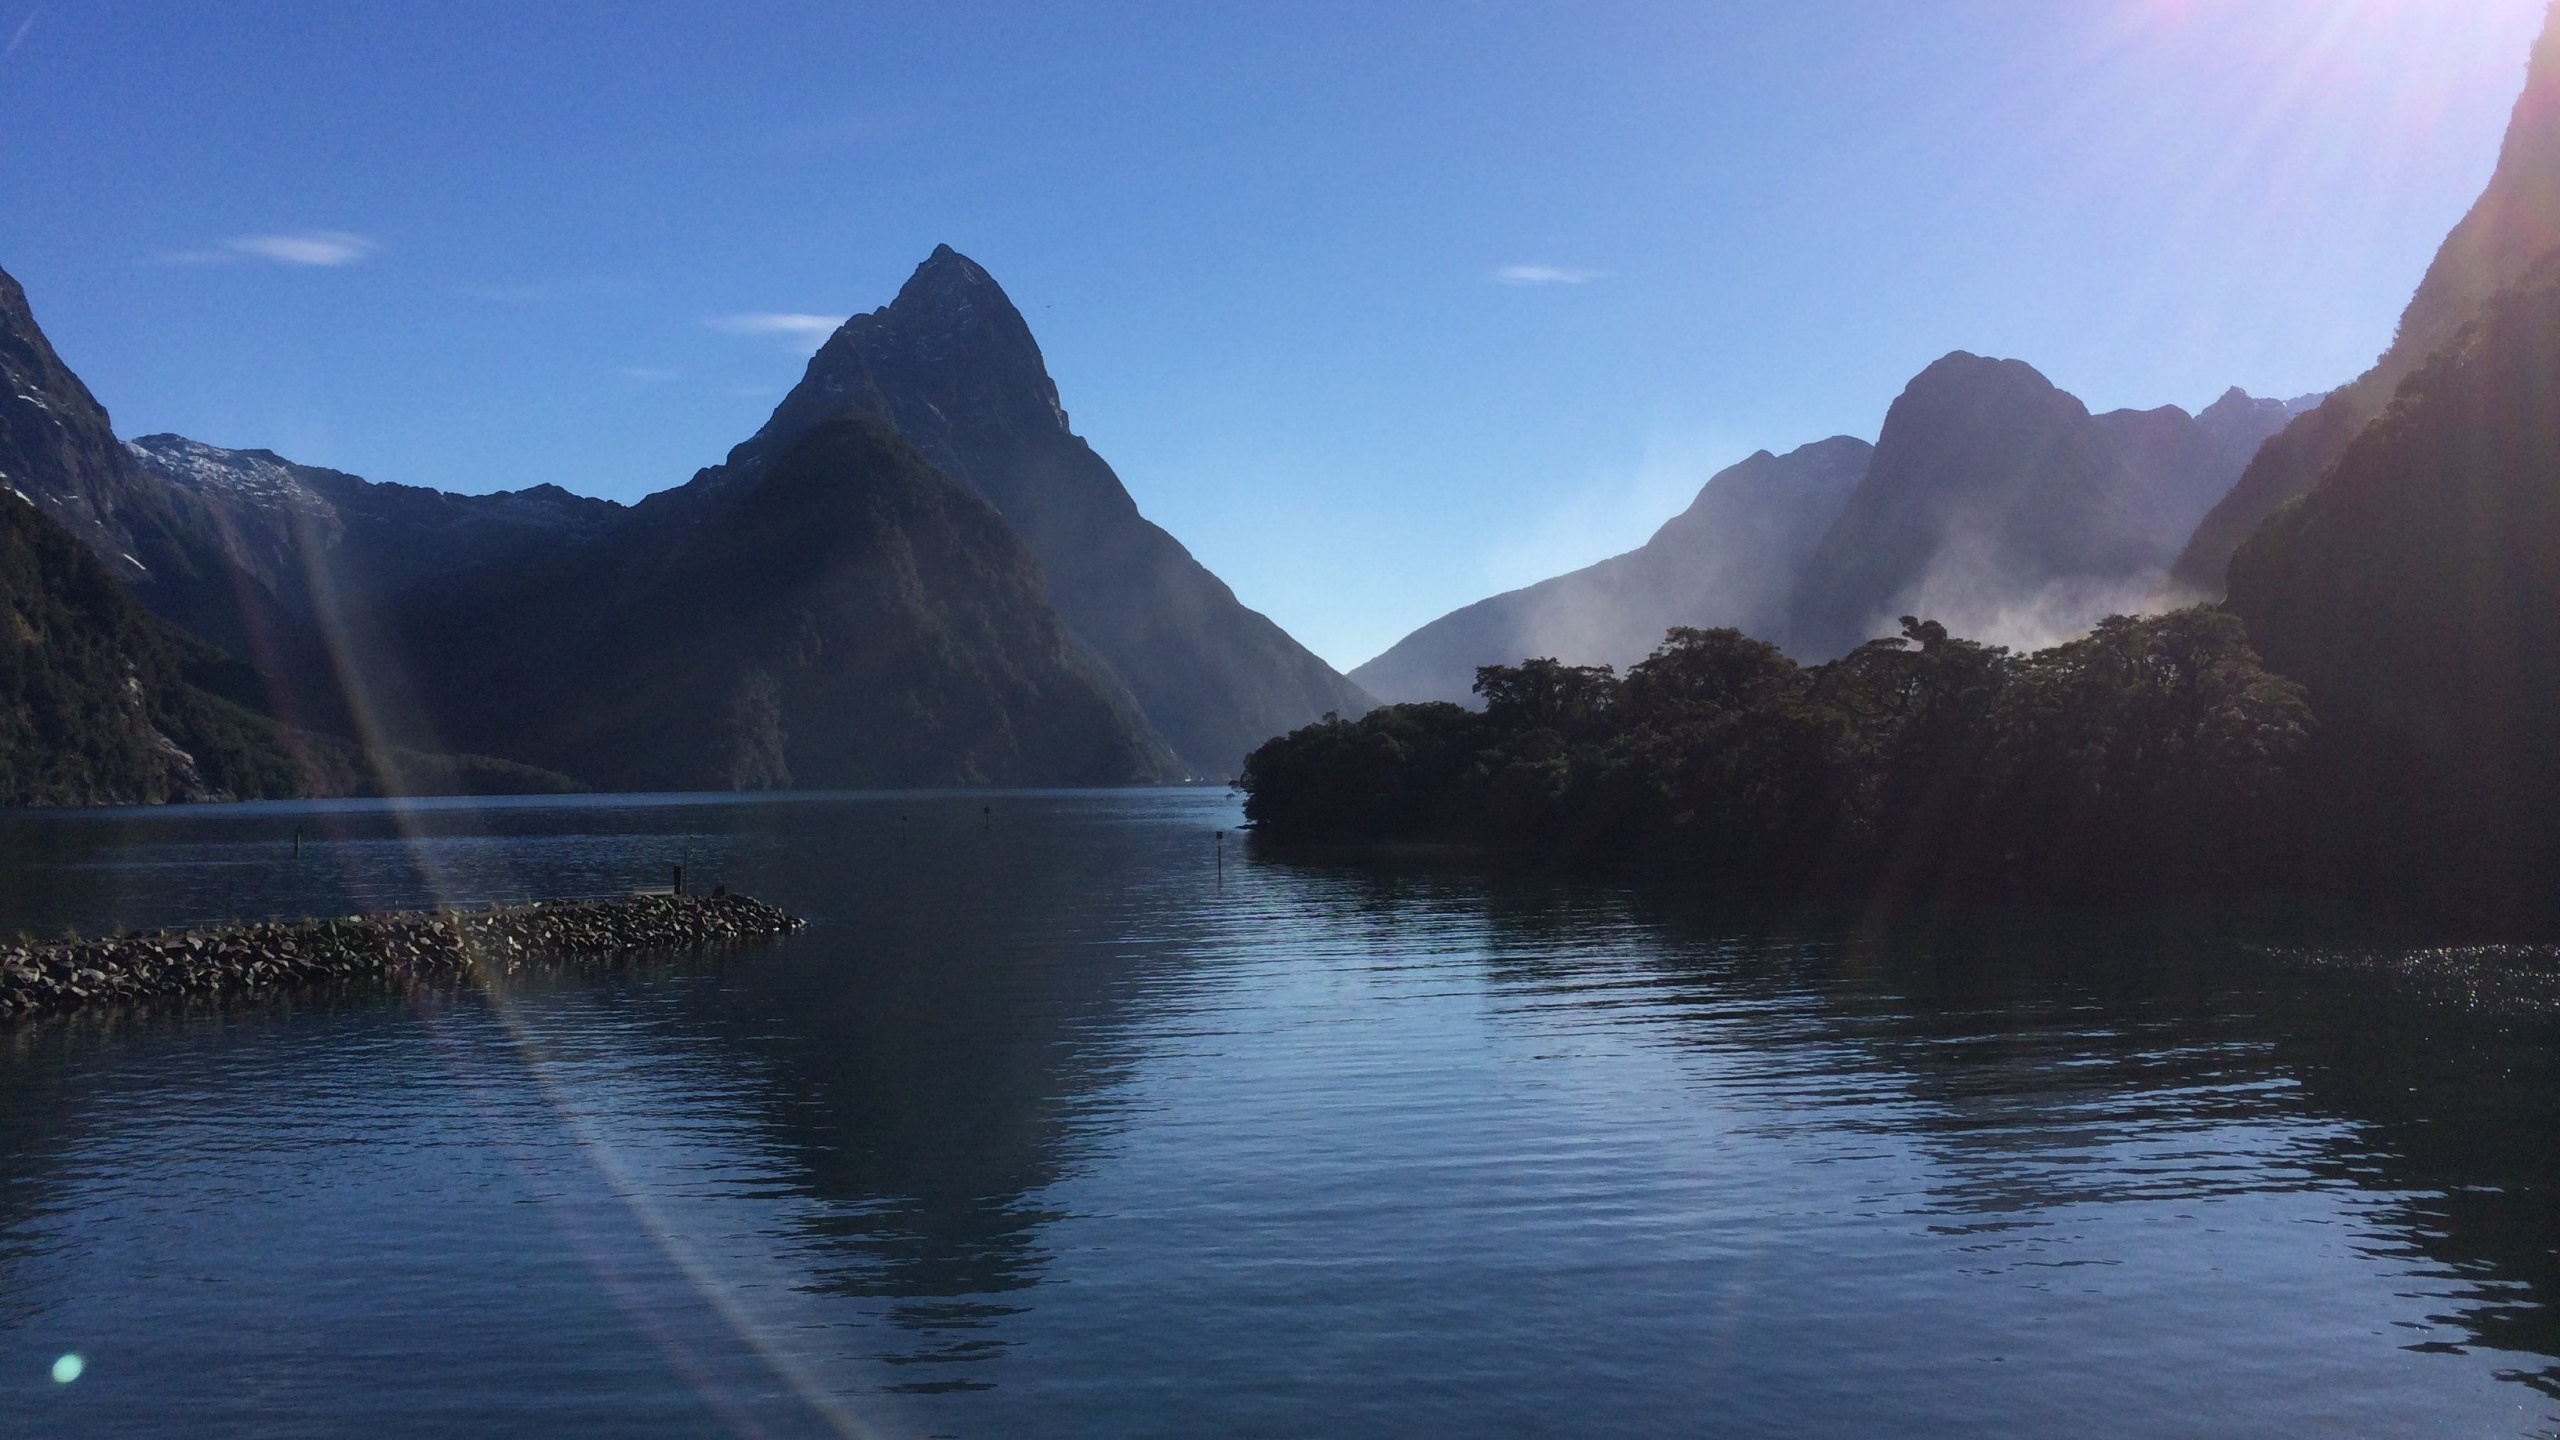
[{"x": 396, "y": 948}]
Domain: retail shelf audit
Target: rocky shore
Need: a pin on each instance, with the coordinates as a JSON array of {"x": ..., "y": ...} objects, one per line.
[{"x": 385, "y": 949}]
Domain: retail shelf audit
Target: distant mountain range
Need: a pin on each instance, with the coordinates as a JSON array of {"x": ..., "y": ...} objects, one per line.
[
  {"x": 309, "y": 557},
  {"x": 1993, "y": 502},
  {"x": 2000, "y": 506},
  {"x": 914, "y": 574}
]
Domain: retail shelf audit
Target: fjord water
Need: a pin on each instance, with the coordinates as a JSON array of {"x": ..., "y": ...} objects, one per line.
[{"x": 1067, "y": 1118}]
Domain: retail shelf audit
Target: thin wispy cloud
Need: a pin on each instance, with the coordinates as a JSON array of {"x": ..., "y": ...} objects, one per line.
[
  {"x": 761, "y": 322},
  {"x": 20, "y": 36},
  {"x": 327, "y": 248},
  {"x": 306, "y": 247},
  {"x": 1544, "y": 275},
  {"x": 646, "y": 374}
]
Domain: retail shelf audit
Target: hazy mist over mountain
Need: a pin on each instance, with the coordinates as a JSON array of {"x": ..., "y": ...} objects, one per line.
[
  {"x": 1995, "y": 503},
  {"x": 1732, "y": 558},
  {"x": 1998, "y": 505}
]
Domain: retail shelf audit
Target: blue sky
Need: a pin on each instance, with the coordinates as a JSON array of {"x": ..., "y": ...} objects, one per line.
[{"x": 1379, "y": 308}]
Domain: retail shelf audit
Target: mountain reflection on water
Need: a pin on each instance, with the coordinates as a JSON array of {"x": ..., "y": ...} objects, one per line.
[{"x": 1057, "y": 1122}]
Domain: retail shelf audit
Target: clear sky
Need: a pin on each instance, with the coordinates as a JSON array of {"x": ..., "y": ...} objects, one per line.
[{"x": 1380, "y": 308}]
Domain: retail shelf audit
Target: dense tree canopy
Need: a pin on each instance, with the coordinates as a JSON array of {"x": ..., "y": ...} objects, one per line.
[{"x": 2155, "y": 753}]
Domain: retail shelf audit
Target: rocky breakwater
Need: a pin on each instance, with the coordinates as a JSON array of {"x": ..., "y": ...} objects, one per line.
[{"x": 389, "y": 950}]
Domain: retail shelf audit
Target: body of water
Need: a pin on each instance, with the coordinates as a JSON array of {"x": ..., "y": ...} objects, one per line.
[{"x": 1067, "y": 1117}]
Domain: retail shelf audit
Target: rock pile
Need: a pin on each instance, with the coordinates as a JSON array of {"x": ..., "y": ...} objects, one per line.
[{"x": 386, "y": 949}]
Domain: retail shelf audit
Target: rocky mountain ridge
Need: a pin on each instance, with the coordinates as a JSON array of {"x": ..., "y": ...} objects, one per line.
[
  {"x": 2000, "y": 506},
  {"x": 828, "y": 609},
  {"x": 953, "y": 367},
  {"x": 848, "y": 618}
]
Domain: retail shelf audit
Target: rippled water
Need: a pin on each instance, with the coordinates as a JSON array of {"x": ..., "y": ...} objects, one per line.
[{"x": 1057, "y": 1123}]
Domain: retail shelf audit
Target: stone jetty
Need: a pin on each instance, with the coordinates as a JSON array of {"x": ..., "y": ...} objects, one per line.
[{"x": 391, "y": 950}]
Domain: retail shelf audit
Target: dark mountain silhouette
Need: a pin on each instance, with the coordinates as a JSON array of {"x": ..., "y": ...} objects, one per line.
[
  {"x": 2416, "y": 593},
  {"x": 310, "y": 555},
  {"x": 953, "y": 367},
  {"x": 1730, "y": 559},
  {"x": 300, "y": 529},
  {"x": 2515, "y": 225},
  {"x": 847, "y": 617},
  {"x": 1997, "y": 503}
]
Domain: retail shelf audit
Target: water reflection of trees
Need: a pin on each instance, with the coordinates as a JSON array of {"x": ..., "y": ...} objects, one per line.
[{"x": 2015, "y": 1051}]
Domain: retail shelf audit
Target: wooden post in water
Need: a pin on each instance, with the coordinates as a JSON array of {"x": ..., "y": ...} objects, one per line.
[{"x": 679, "y": 885}]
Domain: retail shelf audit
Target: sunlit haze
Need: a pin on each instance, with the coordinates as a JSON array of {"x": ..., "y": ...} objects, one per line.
[{"x": 1323, "y": 282}]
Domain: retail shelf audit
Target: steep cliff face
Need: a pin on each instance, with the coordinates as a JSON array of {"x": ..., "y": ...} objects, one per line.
[
  {"x": 58, "y": 450},
  {"x": 1998, "y": 505},
  {"x": 845, "y": 617},
  {"x": 953, "y": 367},
  {"x": 2513, "y": 228},
  {"x": 1731, "y": 559},
  {"x": 2416, "y": 592}
]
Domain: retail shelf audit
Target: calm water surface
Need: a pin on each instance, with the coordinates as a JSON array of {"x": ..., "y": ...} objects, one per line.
[{"x": 1053, "y": 1124}]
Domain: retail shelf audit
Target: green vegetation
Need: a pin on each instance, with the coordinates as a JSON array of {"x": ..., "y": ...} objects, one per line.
[
  {"x": 95, "y": 700},
  {"x": 2154, "y": 756}
]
